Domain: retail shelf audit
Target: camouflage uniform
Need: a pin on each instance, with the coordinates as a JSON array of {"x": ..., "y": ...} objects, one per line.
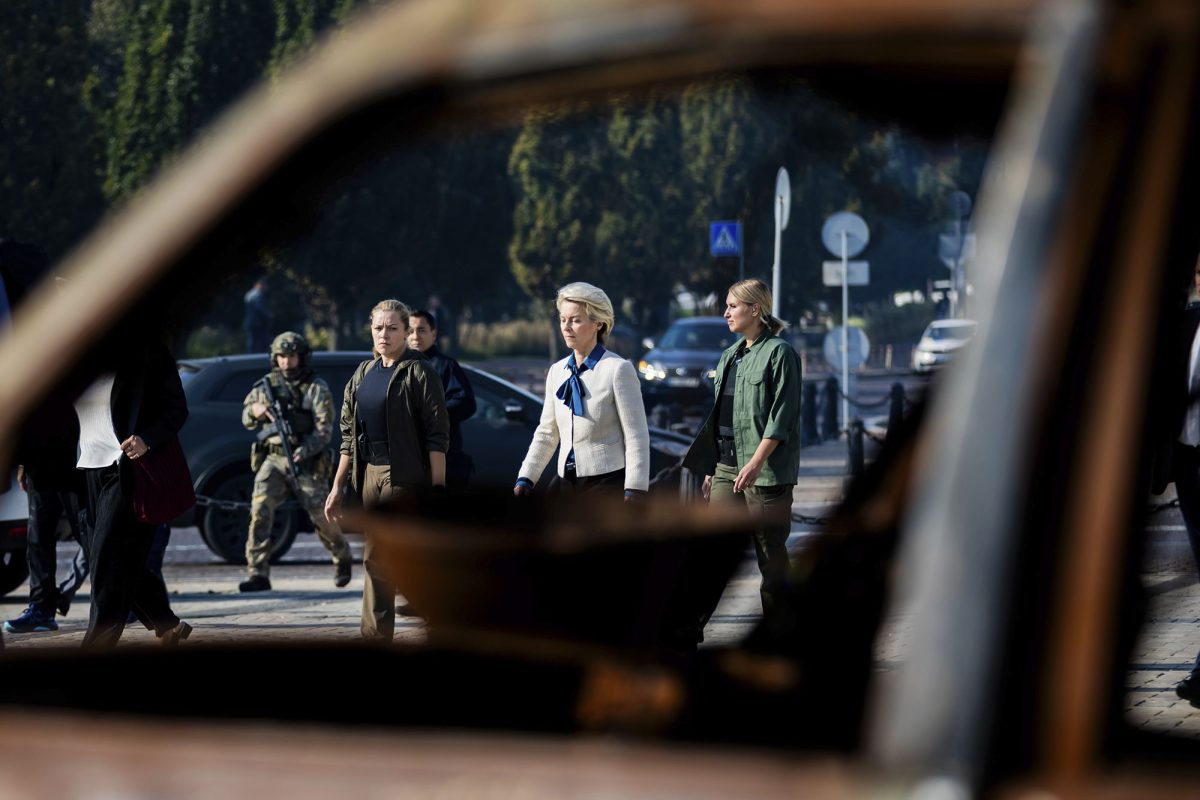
[{"x": 309, "y": 405}]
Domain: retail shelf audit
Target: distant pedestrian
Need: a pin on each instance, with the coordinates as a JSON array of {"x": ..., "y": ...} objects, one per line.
[
  {"x": 749, "y": 447},
  {"x": 257, "y": 318},
  {"x": 306, "y": 405},
  {"x": 593, "y": 413},
  {"x": 444, "y": 322},
  {"x": 423, "y": 337},
  {"x": 395, "y": 432}
]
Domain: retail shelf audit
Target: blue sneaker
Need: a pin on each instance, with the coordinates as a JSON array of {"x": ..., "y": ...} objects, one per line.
[{"x": 32, "y": 620}]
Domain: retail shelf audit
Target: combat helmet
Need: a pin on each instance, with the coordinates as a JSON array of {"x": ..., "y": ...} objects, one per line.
[{"x": 290, "y": 342}]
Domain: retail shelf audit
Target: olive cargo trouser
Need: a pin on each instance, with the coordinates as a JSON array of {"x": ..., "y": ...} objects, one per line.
[
  {"x": 774, "y": 505},
  {"x": 271, "y": 488},
  {"x": 379, "y": 593}
]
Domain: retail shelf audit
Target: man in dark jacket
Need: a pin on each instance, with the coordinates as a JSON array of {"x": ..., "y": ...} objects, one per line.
[
  {"x": 55, "y": 488},
  {"x": 460, "y": 397},
  {"x": 46, "y": 455}
]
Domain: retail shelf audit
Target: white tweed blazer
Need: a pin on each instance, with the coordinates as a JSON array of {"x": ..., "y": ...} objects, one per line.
[{"x": 611, "y": 434}]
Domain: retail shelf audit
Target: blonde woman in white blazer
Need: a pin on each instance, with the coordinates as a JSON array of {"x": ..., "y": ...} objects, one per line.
[{"x": 593, "y": 407}]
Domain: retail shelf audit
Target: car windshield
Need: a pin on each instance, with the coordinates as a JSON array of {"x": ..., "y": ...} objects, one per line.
[
  {"x": 704, "y": 336},
  {"x": 959, "y": 330}
]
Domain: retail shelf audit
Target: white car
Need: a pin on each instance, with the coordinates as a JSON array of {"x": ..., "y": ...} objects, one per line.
[
  {"x": 14, "y": 526},
  {"x": 940, "y": 341}
]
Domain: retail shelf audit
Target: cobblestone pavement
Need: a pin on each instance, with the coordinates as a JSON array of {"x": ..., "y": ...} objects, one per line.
[{"x": 305, "y": 604}]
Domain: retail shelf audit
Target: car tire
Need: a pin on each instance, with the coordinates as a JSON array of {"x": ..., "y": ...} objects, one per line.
[
  {"x": 14, "y": 569},
  {"x": 225, "y": 531}
]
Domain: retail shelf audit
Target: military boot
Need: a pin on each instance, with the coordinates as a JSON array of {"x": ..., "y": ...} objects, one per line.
[{"x": 255, "y": 583}]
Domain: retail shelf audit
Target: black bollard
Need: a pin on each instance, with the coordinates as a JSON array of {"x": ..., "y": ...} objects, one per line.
[
  {"x": 855, "y": 444},
  {"x": 808, "y": 415},
  {"x": 674, "y": 413},
  {"x": 659, "y": 417},
  {"x": 829, "y": 409},
  {"x": 896, "y": 409}
]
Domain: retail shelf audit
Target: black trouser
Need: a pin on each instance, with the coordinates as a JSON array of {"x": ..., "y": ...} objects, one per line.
[
  {"x": 1185, "y": 471},
  {"x": 570, "y": 483},
  {"x": 46, "y": 506},
  {"x": 117, "y": 548}
]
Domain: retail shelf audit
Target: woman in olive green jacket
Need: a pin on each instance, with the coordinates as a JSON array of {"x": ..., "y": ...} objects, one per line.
[
  {"x": 749, "y": 448},
  {"x": 395, "y": 432}
]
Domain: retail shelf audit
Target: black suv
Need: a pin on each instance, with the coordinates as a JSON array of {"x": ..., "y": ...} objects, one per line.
[{"x": 678, "y": 370}]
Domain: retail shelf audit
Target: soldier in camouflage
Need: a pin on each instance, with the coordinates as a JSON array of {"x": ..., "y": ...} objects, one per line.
[{"x": 308, "y": 407}]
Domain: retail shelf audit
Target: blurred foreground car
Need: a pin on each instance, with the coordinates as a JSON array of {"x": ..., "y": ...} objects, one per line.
[
  {"x": 942, "y": 339},
  {"x": 1003, "y": 530},
  {"x": 218, "y": 447}
]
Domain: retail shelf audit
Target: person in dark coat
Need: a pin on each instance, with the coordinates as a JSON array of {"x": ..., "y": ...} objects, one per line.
[
  {"x": 136, "y": 405},
  {"x": 460, "y": 397},
  {"x": 46, "y": 464},
  {"x": 1177, "y": 456},
  {"x": 55, "y": 489}
]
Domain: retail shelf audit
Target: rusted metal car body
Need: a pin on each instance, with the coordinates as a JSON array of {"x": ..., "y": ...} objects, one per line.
[{"x": 1016, "y": 506}]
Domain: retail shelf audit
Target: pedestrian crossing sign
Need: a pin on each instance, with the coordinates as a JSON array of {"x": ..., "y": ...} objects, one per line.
[{"x": 725, "y": 238}]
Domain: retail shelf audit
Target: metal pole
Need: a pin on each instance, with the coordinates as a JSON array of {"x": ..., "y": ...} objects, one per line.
[
  {"x": 775, "y": 270},
  {"x": 845, "y": 332},
  {"x": 742, "y": 254},
  {"x": 958, "y": 236}
]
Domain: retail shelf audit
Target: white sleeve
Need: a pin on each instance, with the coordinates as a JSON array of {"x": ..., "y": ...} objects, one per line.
[
  {"x": 545, "y": 437},
  {"x": 627, "y": 391}
]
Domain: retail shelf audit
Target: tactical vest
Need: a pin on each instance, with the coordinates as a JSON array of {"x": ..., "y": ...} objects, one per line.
[{"x": 292, "y": 399}]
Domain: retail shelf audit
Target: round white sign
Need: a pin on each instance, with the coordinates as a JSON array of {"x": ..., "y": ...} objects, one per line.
[
  {"x": 783, "y": 198},
  {"x": 856, "y": 341},
  {"x": 855, "y": 228}
]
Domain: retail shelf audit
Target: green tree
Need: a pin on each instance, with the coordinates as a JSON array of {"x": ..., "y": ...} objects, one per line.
[
  {"x": 621, "y": 195},
  {"x": 558, "y": 167},
  {"x": 48, "y": 192}
]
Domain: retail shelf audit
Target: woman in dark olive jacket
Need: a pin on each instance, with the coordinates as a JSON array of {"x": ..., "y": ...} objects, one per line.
[
  {"x": 749, "y": 448},
  {"x": 395, "y": 432}
]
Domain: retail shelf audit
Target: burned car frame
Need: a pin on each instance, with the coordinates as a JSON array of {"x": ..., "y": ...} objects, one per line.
[{"x": 1018, "y": 500}]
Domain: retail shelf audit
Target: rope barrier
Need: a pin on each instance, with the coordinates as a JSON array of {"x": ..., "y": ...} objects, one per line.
[
  {"x": 1163, "y": 507},
  {"x": 240, "y": 505},
  {"x": 861, "y": 404},
  {"x": 874, "y": 437}
]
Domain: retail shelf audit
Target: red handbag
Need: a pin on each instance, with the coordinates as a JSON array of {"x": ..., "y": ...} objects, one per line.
[{"x": 162, "y": 484}]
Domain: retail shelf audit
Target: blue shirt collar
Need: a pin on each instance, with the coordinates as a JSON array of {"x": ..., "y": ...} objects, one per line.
[{"x": 592, "y": 360}]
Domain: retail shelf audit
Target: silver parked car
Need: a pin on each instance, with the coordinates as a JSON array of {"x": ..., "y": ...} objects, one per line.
[{"x": 942, "y": 339}]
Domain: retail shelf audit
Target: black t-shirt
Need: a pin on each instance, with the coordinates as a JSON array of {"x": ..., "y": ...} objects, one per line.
[
  {"x": 725, "y": 401},
  {"x": 371, "y": 400}
]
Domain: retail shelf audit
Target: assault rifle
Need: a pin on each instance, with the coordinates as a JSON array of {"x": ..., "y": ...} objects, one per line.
[{"x": 280, "y": 425}]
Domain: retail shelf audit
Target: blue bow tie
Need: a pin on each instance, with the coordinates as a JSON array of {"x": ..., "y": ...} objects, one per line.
[{"x": 571, "y": 391}]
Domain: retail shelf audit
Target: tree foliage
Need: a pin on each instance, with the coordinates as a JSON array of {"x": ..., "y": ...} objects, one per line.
[
  {"x": 48, "y": 192},
  {"x": 618, "y": 191}
]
